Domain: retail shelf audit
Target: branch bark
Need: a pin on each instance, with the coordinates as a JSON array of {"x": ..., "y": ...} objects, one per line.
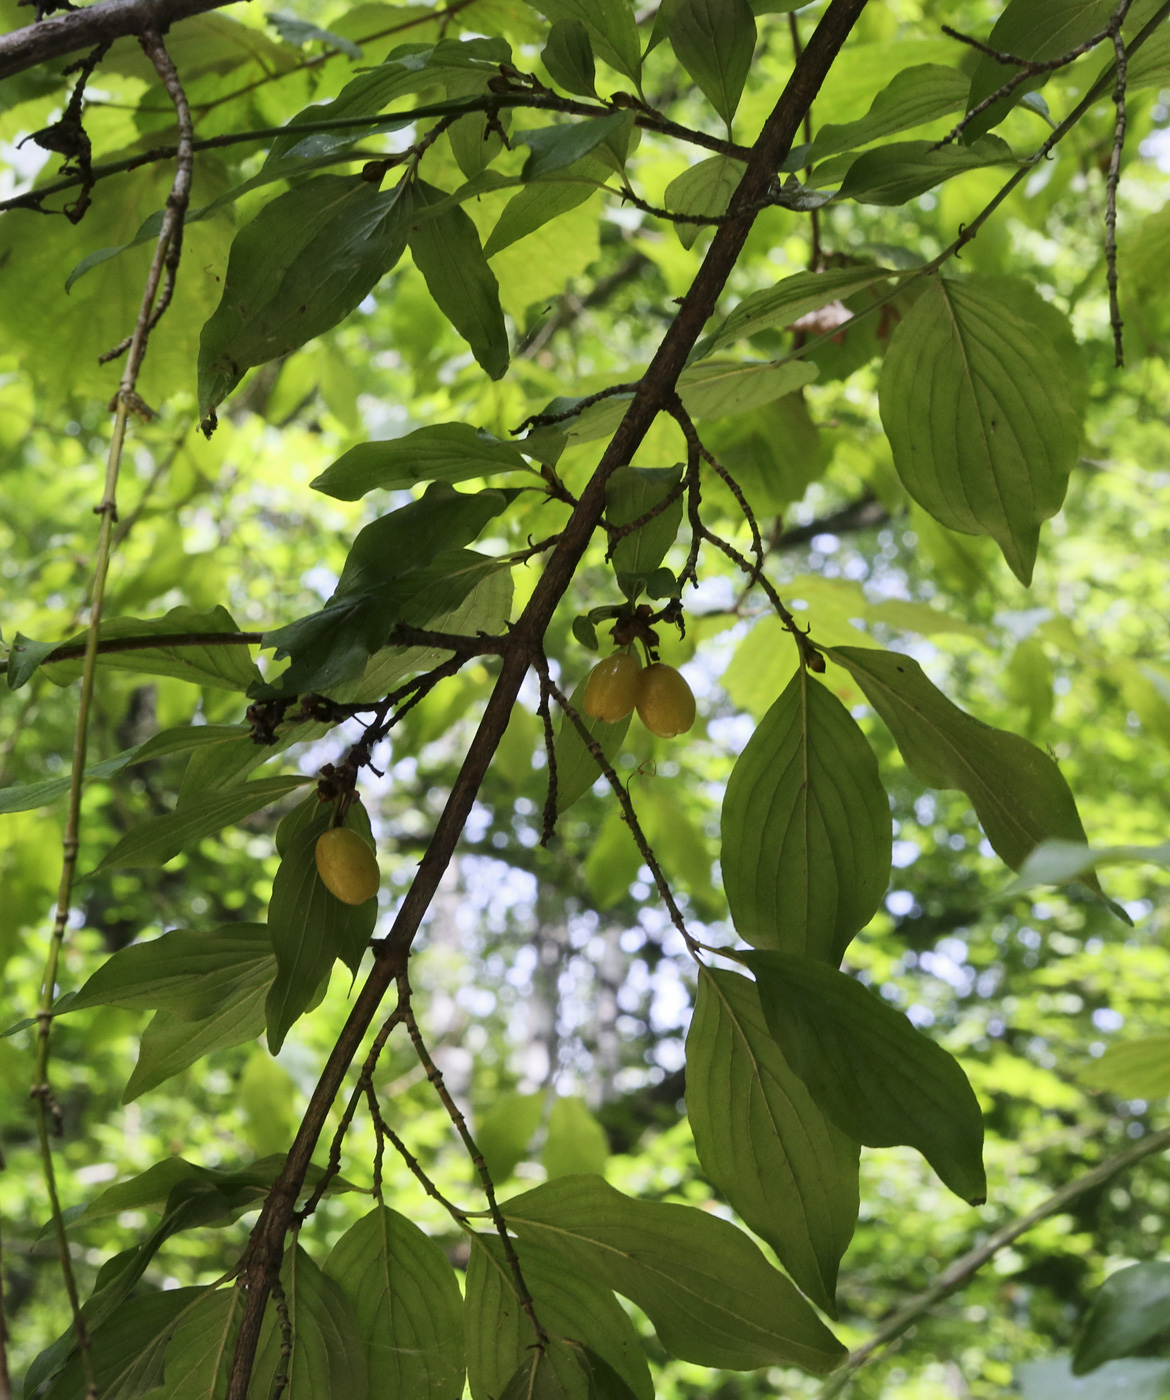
[{"x": 655, "y": 391}]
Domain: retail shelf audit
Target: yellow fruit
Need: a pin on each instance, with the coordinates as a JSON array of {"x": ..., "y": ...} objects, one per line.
[
  {"x": 612, "y": 688},
  {"x": 665, "y": 703},
  {"x": 347, "y": 866}
]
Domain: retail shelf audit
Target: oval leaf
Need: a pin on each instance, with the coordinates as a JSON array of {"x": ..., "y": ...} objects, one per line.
[
  {"x": 869, "y": 1071},
  {"x": 443, "y": 452},
  {"x": 979, "y": 415},
  {"x": 806, "y": 827},
  {"x": 712, "y": 1296},
  {"x": 1131, "y": 1307},
  {"x": 714, "y": 41},
  {"x": 761, "y": 1140}
]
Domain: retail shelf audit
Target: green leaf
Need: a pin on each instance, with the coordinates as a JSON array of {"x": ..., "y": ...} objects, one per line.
[
  {"x": 913, "y": 97},
  {"x": 979, "y": 416},
  {"x": 1131, "y": 1307},
  {"x": 199, "y": 1357},
  {"x": 190, "y": 974},
  {"x": 568, "y": 1303},
  {"x": 408, "y": 566},
  {"x": 171, "y": 1043},
  {"x": 445, "y": 452},
  {"x": 25, "y": 797},
  {"x": 503, "y": 1133},
  {"x": 774, "y": 453},
  {"x": 159, "y": 839},
  {"x": 788, "y": 1173},
  {"x": 714, "y": 40},
  {"x": 901, "y": 171},
  {"x": 1056, "y": 862},
  {"x": 406, "y": 1303},
  {"x": 227, "y": 666},
  {"x": 447, "y": 251},
  {"x": 709, "y": 1292},
  {"x": 611, "y": 27},
  {"x": 705, "y": 191},
  {"x": 301, "y": 266},
  {"x": 869, "y": 1071},
  {"x": 1030, "y": 31},
  {"x": 806, "y": 828},
  {"x": 309, "y": 928},
  {"x": 576, "y": 1141},
  {"x": 24, "y": 657},
  {"x": 537, "y": 204},
  {"x": 568, "y": 56},
  {"x": 1132, "y": 1069},
  {"x": 1019, "y": 794},
  {"x": 714, "y": 389},
  {"x": 630, "y": 493},
  {"x": 301, "y": 32},
  {"x": 576, "y": 768},
  {"x": 788, "y": 301},
  {"x": 557, "y": 147},
  {"x": 328, "y": 1349},
  {"x": 128, "y": 1349}
]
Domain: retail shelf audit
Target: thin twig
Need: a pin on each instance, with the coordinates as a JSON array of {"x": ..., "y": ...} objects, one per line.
[
  {"x": 460, "y": 1124},
  {"x": 549, "y": 818},
  {"x": 386, "y": 1133},
  {"x": 1112, "y": 181},
  {"x": 629, "y": 816},
  {"x": 963, "y": 1269},
  {"x": 48, "y": 1113},
  {"x": 543, "y": 420}
]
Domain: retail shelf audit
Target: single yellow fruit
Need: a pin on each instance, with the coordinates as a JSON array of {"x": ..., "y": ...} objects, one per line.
[
  {"x": 612, "y": 688},
  {"x": 665, "y": 703},
  {"x": 347, "y": 866}
]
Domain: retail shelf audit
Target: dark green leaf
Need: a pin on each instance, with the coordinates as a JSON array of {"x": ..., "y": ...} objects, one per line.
[
  {"x": 171, "y": 1043},
  {"x": 806, "y": 827},
  {"x": 869, "y": 1071},
  {"x": 328, "y": 1349},
  {"x": 301, "y": 32},
  {"x": 309, "y": 928},
  {"x": 445, "y": 452},
  {"x": 1131, "y": 1307},
  {"x": 302, "y": 265},
  {"x": 557, "y": 147},
  {"x": 1030, "y": 31},
  {"x": 913, "y": 97},
  {"x": 611, "y": 27},
  {"x": 714, "y": 41},
  {"x": 159, "y": 839},
  {"x": 199, "y": 1357},
  {"x": 535, "y": 205},
  {"x": 630, "y": 493},
  {"x": 978, "y": 412},
  {"x": 576, "y": 768},
  {"x": 447, "y": 251},
  {"x": 568, "y": 56},
  {"x": 710, "y": 1293},
  {"x": 24, "y": 657},
  {"x": 568, "y": 1304},
  {"x": 406, "y": 1303},
  {"x": 127, "y": 1350},
  {"x": 227, "y": 666},
  {"x": 1018, "y": 792},
  {"x": 789, "y": 1174},
  {"x": 789, "y": 300},
  {"x": 190, "y": 974},
  {"x": 901, "y": 171}
]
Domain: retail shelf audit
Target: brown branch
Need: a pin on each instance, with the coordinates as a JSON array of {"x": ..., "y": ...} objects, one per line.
[
  {"x": 654, "y": 391},
  {"x": 434, "y": 1075},
  {"x": 96, "y": 24},
  {"x": 1111, "y": 182}
]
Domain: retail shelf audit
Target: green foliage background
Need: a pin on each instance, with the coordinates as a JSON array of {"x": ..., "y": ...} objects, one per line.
[{"x": 555, "y": 994}]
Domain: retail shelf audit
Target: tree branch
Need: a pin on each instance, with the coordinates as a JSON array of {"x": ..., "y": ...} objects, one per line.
[
  {"x": 96, "y": 24},
  {"x": 959, "y": 1273},
  {"x": 654, "y": 392}
]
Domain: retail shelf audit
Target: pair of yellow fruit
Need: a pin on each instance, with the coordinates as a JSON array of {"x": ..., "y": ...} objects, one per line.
[
  {"x": 348, "y": 867},
  {"x": 658, "y": 692}
]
